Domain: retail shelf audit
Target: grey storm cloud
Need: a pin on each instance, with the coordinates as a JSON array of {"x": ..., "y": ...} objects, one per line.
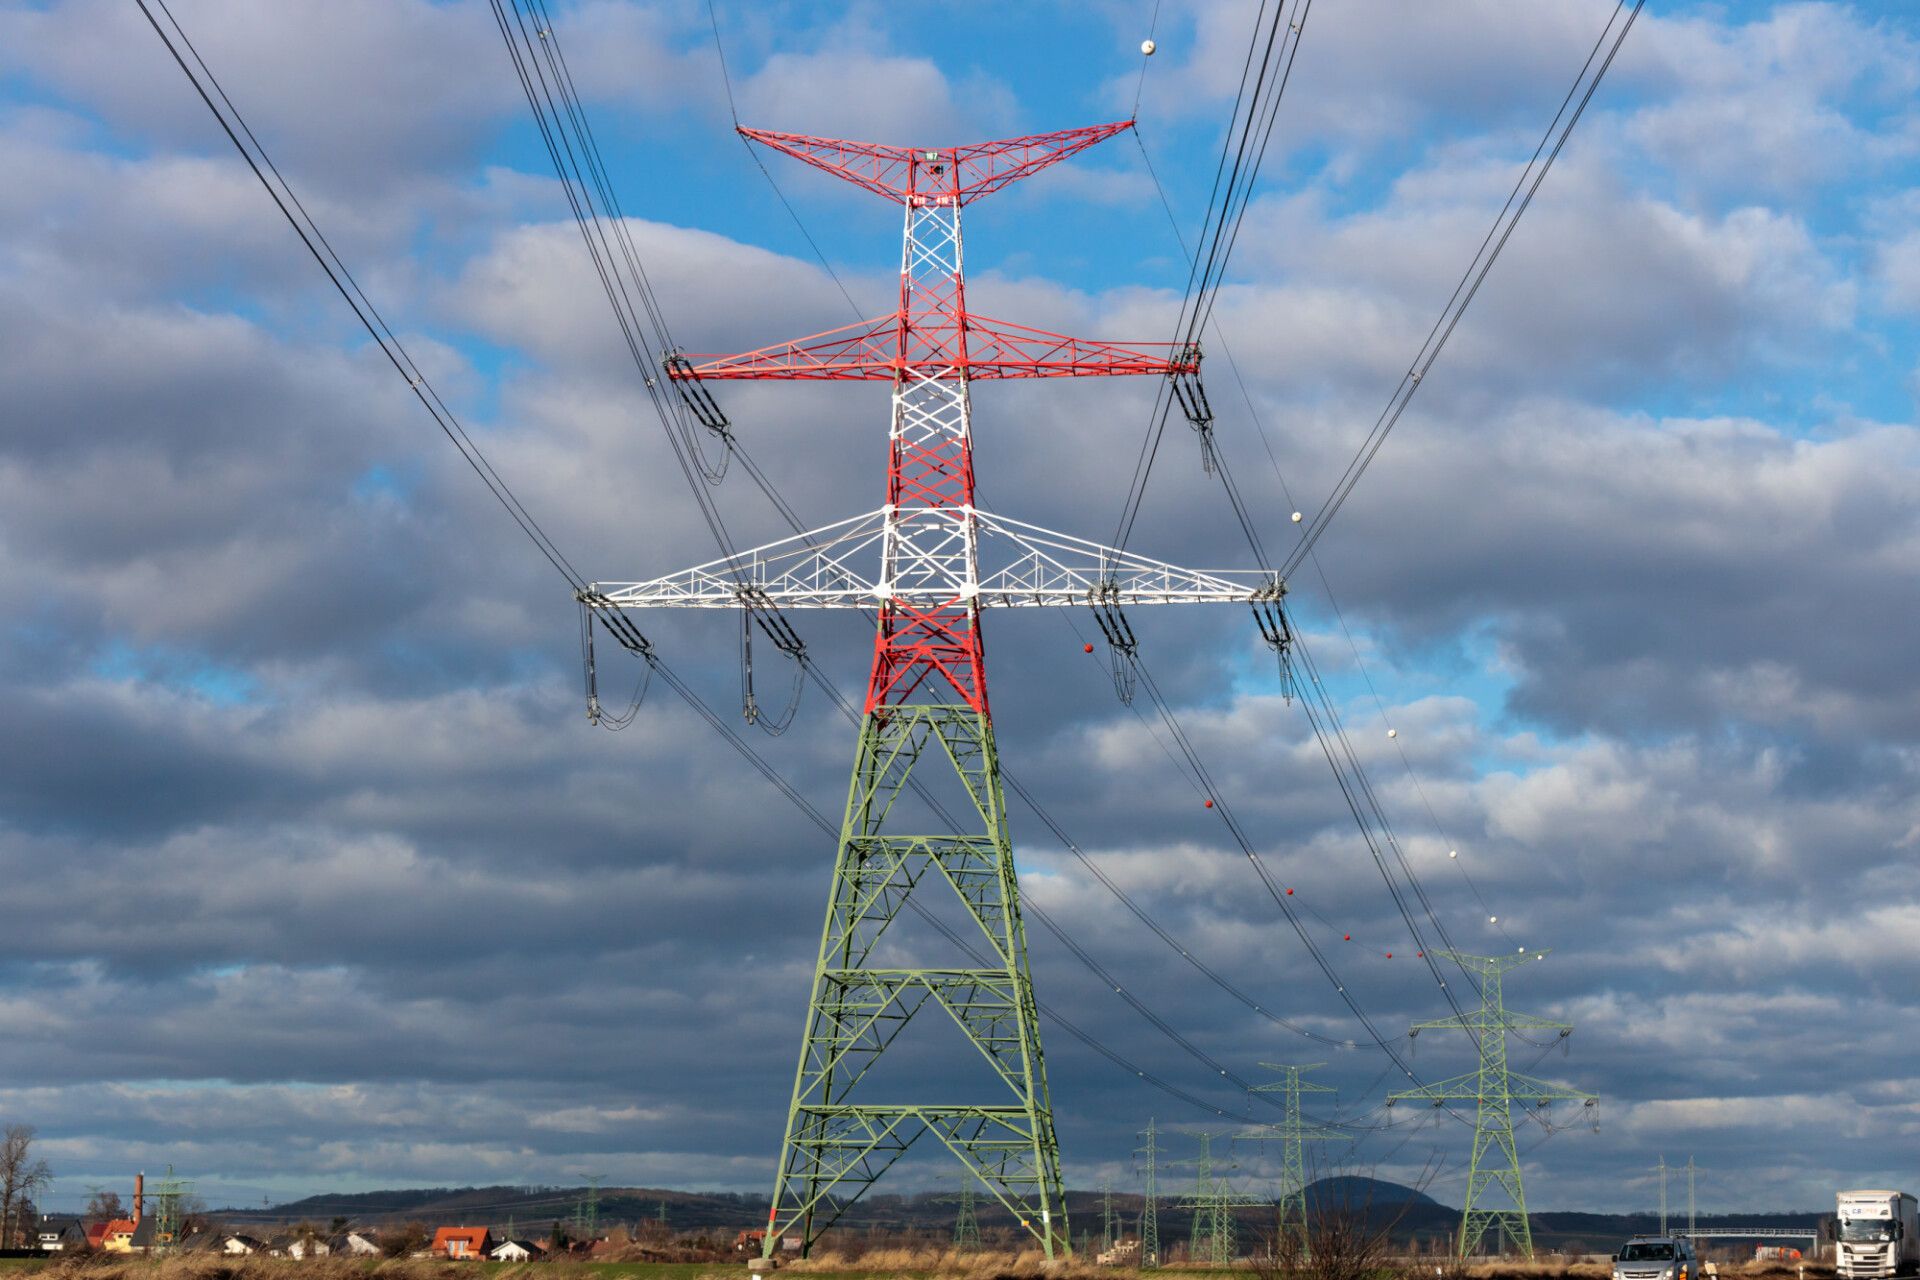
[{"x": 321, "y": 880}]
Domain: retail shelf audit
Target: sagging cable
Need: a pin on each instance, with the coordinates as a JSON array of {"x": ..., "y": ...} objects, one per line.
[
  {"x": 702, "y": 408},
  {"x": 757, "y": 607}
]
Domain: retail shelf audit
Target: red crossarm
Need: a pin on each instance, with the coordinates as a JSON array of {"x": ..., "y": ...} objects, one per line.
[
  {"x": 960, "y": 174},
  {"x": 869, "y": 352}
]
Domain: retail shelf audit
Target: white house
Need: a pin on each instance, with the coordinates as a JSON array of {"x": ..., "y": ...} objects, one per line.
[
  {"x": 358, "y": 1244},
  {"x": 514, "y": 1251}
]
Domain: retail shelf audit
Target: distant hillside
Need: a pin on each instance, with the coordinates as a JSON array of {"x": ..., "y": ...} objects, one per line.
[
  {"x": 1357, "y": 1191},
  {"x": 930, "y": 1215}
]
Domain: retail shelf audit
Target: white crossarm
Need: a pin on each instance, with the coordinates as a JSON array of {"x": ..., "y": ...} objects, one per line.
[{"x": 843, "y": 566}]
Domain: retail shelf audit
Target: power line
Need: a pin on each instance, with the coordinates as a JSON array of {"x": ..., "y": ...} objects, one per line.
[{"x": 1476, "y": 274}]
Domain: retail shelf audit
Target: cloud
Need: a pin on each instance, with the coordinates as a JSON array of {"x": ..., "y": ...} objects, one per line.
[{"x": 321, "y": 880}]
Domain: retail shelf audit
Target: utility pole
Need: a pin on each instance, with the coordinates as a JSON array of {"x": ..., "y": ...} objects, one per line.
[
  {"x": 938, "y": 561},
  {"x": 1494, "y": 1089},
  {"x": 1693, "y": 1225},
  {"x": 1661, "y": 1169},
  {"x": 1150, "y": 1210},
  {"x": 1294, "y": 1133}
]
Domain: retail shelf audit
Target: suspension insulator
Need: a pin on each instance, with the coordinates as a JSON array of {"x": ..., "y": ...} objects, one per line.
[{"x": 694, "y": 394}]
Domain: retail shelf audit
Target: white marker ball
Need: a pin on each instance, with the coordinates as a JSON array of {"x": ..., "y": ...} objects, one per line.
[
  {"x": 1453, "y": 853},
  {"x": 1523, "y": 950},
  {"x": 1147, "y": 47},
  {"x": 1493, "y": 919},
  {"x": 1296, "y": 517},
  {"x": 1393, "y": 733}
]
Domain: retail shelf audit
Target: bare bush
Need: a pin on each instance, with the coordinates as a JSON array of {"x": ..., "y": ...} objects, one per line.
[{"x": 1345, "y": 1238}]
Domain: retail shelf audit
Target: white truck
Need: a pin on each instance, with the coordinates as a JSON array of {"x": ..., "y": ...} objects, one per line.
[{"x": 1879, "y": 1234}]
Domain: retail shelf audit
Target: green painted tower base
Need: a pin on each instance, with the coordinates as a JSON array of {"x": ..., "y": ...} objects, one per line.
[{"x": 836, "y": 1145}]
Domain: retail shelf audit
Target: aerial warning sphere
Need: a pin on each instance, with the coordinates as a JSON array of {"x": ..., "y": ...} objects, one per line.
[
  {"x": 1453, "y": 853},
  {"x": 1089, "y": 648},
  {"x": 1147, "y": 47},
  {"x": 1493, "y": 919},
  {"x": 1289, "y": 893},
  {"x": 1523, "y": 950},
  {"x": 1393, "y": 733},
  {"x": 1346, "y": 937},
  {"x": 1209, "y": 804},
  {"x": 1296, "y": 517}
]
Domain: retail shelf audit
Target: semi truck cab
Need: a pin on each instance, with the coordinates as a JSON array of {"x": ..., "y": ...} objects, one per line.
[{"x": 1879, "y": 1235}]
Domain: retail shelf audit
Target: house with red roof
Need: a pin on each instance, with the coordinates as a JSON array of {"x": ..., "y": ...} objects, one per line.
[{"x": 463, "y": 1242}]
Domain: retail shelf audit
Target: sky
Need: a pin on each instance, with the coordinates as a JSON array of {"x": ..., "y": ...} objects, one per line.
[{"x": 318, "y": 878}]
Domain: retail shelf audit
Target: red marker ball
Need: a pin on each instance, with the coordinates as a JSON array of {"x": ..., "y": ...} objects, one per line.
[
  {"x": 1089, "y": 648},
  {"x": 1209, "y": 804},
  {"x": 1389, "y": 955},
  {"x": 1346, "y": 937},
  {"x": 1289, "y": 893}
]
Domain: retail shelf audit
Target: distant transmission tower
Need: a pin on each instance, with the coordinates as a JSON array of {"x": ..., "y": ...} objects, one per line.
[
  {"x": 1294, "y": 1133},
  {"x": 966, "y": 1223},
  {"x": 1661, "y": 1169},
  {"x": 586, "y": 1214},
  {"x": 928, "y": 563},
  {"x": 1108, "y": 1237},
  {"x": 1693, "y": 1226},
  {"x": 1494, "y": 1090},
  {"x": 1150, "y": 1210},
  {"x": 1212, "y": 1202},
  {"x": 169, "y": 1193}
]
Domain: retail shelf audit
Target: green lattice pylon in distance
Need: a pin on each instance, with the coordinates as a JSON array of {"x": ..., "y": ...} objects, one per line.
[{"x": 1494, "y": 1170}]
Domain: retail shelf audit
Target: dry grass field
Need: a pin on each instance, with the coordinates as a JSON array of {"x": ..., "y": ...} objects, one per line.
[{"x": 873, "y": 1264}]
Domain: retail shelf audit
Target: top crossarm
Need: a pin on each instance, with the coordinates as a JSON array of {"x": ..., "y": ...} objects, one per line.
[
  {"x": 869, "y": 352},
  {"x": 882, "y": 169},
  {"x": 989, "y": 166},
  {"x": 952, "y": 174}
]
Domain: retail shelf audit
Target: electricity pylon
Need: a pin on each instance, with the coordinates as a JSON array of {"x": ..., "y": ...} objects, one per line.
[
  {"x": 1294, "y": 1133},
  {"x": 1661, "y": 1169},
  {"x": 1693, "y": 1227},
  {"x": 1108, "y": 1238},
  {"x": 168, "y": 1194},
  {"x": 1493, "y": 1089},
  {"x": 1150, "y": 1210},
  {"x": 966, "y": 1223},
  {"x": 941, "y": 560},
  {"x": 1212, "y": 1202}
]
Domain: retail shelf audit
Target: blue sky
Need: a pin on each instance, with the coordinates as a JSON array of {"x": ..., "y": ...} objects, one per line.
[{"x": 316, "y": 860}]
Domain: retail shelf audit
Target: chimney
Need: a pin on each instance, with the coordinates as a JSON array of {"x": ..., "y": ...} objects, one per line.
[{"x": 139, "y": 1196}]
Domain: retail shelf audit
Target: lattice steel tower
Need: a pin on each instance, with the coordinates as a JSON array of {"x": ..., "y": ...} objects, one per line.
[
  {"x": 1215, "y": 1238},
  {"x": 1294, "y": 1133},
  {"x": 1150, "y": 1210},
  {"x": 1495, "y": 1166},
  {"x": 941, "y": 560}
]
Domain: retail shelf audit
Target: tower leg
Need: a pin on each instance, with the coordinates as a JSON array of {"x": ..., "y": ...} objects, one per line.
[{"x": 837, "y": 1146}]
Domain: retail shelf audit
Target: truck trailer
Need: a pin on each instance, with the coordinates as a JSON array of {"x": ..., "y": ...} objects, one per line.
[{"x": 1879, "y": 1235}]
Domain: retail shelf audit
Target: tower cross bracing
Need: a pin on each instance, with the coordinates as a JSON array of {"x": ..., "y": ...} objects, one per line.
[
  {"x": 1496, "y": 1196},
  {"x": 1294, "y": 1132},
  {"x": 926, "y": 712}
]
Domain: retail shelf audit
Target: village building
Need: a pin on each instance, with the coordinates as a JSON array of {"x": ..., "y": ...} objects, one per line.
[{"x": 462, "y": 1242}]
